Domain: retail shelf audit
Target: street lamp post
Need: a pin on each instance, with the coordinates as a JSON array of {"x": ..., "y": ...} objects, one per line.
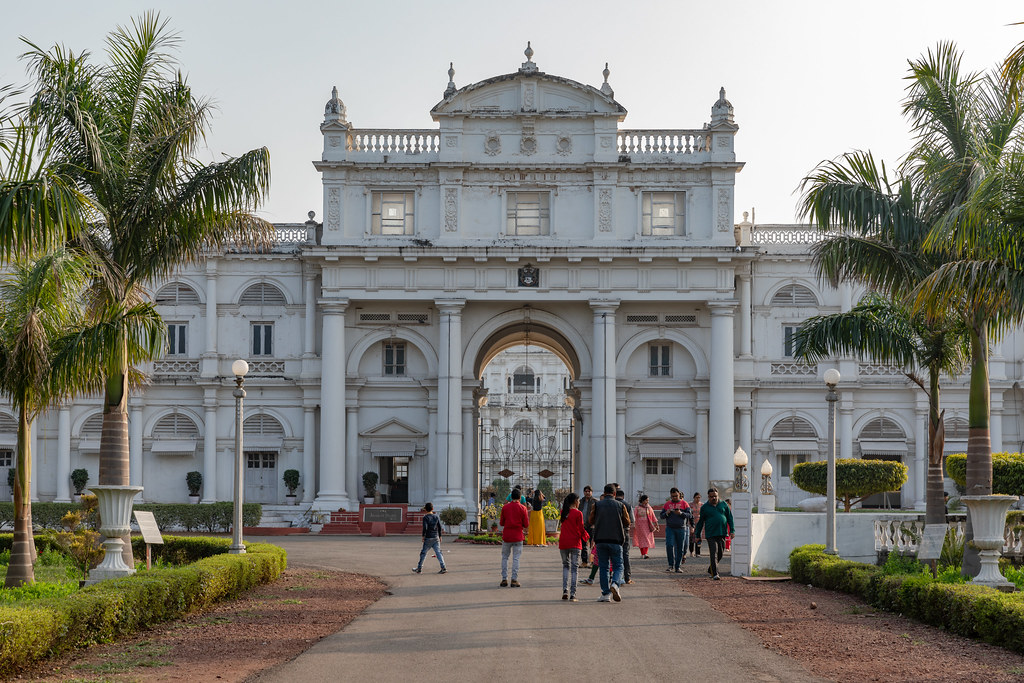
[
  {"x": 832, "y": 378},
  {"x": 739, "y": 462},
  {"x": 238, "y": 368}
]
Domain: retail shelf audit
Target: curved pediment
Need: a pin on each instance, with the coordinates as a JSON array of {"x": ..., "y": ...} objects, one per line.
[{"x": 530, "y": 94}]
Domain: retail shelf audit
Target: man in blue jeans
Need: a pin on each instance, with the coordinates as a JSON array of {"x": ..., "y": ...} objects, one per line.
[
  {"x": 678, "y": 517},
  {"x": 610, "y": 521},
  {"x": 431, "y": 538}
]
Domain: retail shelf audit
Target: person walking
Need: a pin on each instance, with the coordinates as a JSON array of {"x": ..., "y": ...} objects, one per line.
[
  {"x": 717, "y": 523},
  {"x": 537, "y": 535},
  {"x": 570, "y": 543},
  {"x": 694, "y": 537},
  {"x": 431, "y": 539},
  {"x": 610, "y": 521},
  {"x": 514, "y": 519},
  {"x": 627, "y": 570},
  {"x": 677, "y": 516},
  {"x": 586, "y": 504},
  {"x": 645, "y": 523}
]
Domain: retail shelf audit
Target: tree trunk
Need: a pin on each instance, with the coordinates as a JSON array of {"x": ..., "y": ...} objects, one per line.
[
  {"x": 20, "y": 571},
  {"x": 979, "y": 445},
  {"x": 114, "y": 456},
  {"x": 935, "y": 504}
]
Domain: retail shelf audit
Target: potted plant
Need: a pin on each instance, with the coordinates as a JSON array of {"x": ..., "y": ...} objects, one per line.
[
  {"x": 79, "y": 478},
  {"x": 551, "y": 515},
  {"x": 452, "y": 517},
  {"x": 370, "y": 480},
  {"x": 194, "y": 481},
  {"x": 291, "y": 482}
]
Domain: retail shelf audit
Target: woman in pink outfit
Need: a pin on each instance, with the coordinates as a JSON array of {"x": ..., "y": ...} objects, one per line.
[{"x": 645, "y": 525}]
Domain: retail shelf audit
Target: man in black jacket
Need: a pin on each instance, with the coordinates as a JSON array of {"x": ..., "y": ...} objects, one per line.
[
  {"x": 610, "y": 521},
  {"x": 627, "y": 574},
  {"x": 587, "y": 503}
]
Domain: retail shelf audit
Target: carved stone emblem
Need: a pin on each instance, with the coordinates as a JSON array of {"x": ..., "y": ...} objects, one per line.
[
  {"x": 492, "y": 145},
  {"x": 604, "y": 210},
  {"x": 528, "y": 144},
  {"x": 451, "y": 141},
  {"x": 333, "y": 208},
  {"x": 451, "y": 209},
  {"x": 723, "y": 210},
  {"x": 564, "y": 145},
  {"x": 529, "y": 276},
  {"x": 528, "y": 98},
  {"x": 333, "y": 140}
]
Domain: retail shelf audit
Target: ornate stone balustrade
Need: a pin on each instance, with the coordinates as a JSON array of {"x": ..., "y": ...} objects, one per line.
[
  {"x": 903, "y": 536},
  {"x": 876, "y": 370},
  {"x": 176, "y": 368},
  {"x": 783, "y": 234},
  {"x": 794, "y": 369},
  {"x": 381, "y": 141},
  {"x": 266, "y": 367},
  {"x": 290, "y": 234},
  {"x": 663, "y": 142}
]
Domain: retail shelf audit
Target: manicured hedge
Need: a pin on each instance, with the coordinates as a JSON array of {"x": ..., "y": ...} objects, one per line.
[
  {"x": 855, "y": 478},
  {"x": 116, "y": 608},
  {"x": 1007, "y": 472},
  {"x": 210, "y": 517},
  {"x": 972, "y": 611}
]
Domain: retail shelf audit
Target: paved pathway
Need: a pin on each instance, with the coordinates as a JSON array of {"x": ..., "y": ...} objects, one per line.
[{"x": 461, "y": 626}]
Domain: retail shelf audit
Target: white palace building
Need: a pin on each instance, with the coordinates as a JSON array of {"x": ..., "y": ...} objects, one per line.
[{"x": 528, "y": 287}]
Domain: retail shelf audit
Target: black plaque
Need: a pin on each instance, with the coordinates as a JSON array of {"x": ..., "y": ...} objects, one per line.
[{"x": 382, "y": 514}]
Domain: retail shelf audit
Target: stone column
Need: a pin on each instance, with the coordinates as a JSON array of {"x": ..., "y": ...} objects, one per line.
[
  {"x": 353, "y": 477},
  {"x": 309, "y": 329},
  {"x": 470, "y": 476},
  {"x": 449, "y": 404},
  {"x": 308, "y": 453},
  {"x": 435, "y": 466},
  {"x": 210, "y": 446},
  {"x": 996, "y": 423},
  {"x": 703, "y": 476},
  {"x": 721, "y": 439},
  {"x": 746, "y": 317},
  {"x": 332, "y": 494},
  {"x": 585, "y": 464},
  {"x": 603, "y": 440},
  {"x": 63, "y": 456},
  {"x": 746, "y": 439},
  {"x": 211, "y": 307},
  {"x": 622, "y": 461},
  {"x": 918, "y": 475},
  {"x": 845, "y": 427},
  {"x": 136, "y": 469}
]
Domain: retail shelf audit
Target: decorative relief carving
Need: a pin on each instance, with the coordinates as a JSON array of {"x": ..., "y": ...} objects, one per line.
[
  {"x": 333, "y": 140},
  {"x": 564, "y": 145},
  {"x": 723, "y": 142},
  {"x": 528, "y": 98},
  {"x": 528, "y": 145},
  {"x": 451, "y": 209},
  {"x": 333, "y": 208},
  {"x": 723, "y": 210},
  {"x": 492, "y": 145},
  {"x": 604, "y": 210},
  {"x": 606, "y": 142},
  {"x": 451, "y": 141}
]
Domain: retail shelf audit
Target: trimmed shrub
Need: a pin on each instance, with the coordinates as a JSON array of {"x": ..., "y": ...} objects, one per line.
[
  {"x": 194, "y": 482},
  {"x": 209, "y": 517},
  {"x": 972, "y": 611},
  {"x": 855, "y": 479},
  {"x": 1007, "y": 472},
  {"x": 79, "y": 478},
  {"x": 452, "y": 516},
  {"x": 40, "y": 628}
]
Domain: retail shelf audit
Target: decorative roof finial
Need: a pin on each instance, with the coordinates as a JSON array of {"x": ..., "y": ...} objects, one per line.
[
  {"x": 335, "y": 110},
  {"x": 450, "y": 90},
  {"x": 605, "y": 87},
  {"x": 722, "y": 111},
  {"x": 528, "y": 66}
]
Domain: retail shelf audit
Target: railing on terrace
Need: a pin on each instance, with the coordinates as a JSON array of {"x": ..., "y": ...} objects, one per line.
[
  {"x": 784, "y": 234},
  {"x": 794, "y": 369},
  {"x": 663, "y": 142},
  {"x": 877, "y": 370},
  {"x": 381, "y": 141},
  {"x": 189, "y": 368},
  {"x": 521, "y": 400},
  {"x": 904, "y": 535}
]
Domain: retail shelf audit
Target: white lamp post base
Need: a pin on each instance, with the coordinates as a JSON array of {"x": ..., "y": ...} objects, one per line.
[
  {"x": 988, "y": 517},
  {"x": 114, "y": 504}
]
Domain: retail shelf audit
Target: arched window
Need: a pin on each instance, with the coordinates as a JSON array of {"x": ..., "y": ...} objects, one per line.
[
  {"x": 794, "y": 295},
  {"x": 882, "y": 428},
  {"x": 794, "y": 440},
  {"x": 175, "y": 426},
  {"x": 793, "y": 428},
  {"x": 262, "y": 294},
  {"x": 177, "y": 294},
  {"x": 524, "y": 380},
  {"x": 263, "y": 425}
]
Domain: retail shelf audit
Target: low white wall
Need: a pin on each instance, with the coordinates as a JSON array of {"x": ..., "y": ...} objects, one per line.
[{"x": 774, "y": 535}]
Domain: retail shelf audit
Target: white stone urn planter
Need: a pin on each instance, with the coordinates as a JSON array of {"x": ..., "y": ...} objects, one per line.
[
  {"x": 114, "y": 504},
  {"x": 988, "y": 517}
]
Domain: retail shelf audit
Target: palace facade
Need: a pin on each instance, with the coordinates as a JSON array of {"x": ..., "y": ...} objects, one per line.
[{"x": 396, "y": 335}]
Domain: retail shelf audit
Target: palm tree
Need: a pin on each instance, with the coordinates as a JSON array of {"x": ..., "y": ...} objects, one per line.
[
  {"x": 128, "y": 132},
  {"x": 39, "y": 302},
  {"x": 875, "y": 230}
]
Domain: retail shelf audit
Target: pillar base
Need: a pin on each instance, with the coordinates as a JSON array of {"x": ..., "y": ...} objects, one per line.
[{"x": 330, "y": 500}]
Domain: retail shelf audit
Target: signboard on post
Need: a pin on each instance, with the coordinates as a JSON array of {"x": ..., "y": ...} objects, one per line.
[{"x": 150, "y": 532}]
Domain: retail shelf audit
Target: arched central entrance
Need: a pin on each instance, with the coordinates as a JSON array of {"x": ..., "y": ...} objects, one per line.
[{"x": 527, "y": 431}]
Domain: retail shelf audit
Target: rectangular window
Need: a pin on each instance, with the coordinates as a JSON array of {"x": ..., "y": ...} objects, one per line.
[
  {"x": 394, "y": 358},
  {"x": 392, "y": 213},
  {"x": 668, "y": 466},
  {"x": 255, "y": 460},
  {"x": 262, "y": 339},
  {"x": 176, "y": 335},
  {"x": 788, "y": 461},
  {"x": 528, "y": 213},
  {"x": 789, "y": 340},
  {"x": 663, "y": 214},
  {"x": 6, "y": 458},
  {"x": 661, "y": 365},
  {"x": 651, "y": 465}
]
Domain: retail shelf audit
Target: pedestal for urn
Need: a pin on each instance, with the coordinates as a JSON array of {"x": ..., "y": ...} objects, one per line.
[
  {"x": 114, "y": 505},
  {"x": 988, "y": 517}
]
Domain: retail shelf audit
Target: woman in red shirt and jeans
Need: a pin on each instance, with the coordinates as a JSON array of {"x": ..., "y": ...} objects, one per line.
[{"x": 570, "y": 542}]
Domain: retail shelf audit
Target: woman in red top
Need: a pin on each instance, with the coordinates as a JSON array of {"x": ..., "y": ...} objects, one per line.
[{"x": 570, "y": 542}]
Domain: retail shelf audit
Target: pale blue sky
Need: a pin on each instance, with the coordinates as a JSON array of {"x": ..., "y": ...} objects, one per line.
[{"x": 809, "y": 79}]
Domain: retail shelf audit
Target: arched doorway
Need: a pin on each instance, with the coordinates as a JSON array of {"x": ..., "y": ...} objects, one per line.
[{"x": 526, "y": 427}]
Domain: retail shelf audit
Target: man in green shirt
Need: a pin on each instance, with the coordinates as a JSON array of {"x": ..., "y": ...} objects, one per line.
[{"x": 716, "y": 522}]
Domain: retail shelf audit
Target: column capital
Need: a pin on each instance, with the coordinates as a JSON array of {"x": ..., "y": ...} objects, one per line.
[
  {"x": 450, "y": 306},
  {"x": 723, "y": 308},
  {"x": 211, "y": 267},
  {"x": 333, "y": 306},
  {"x": 604, "y": 305}
]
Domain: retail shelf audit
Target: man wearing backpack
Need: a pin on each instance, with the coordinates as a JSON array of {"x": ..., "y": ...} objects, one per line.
[{"x": 431, "y": 538}]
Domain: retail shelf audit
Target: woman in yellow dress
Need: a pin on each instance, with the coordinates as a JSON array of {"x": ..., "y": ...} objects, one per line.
[{"x": 537, "y": 535}]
